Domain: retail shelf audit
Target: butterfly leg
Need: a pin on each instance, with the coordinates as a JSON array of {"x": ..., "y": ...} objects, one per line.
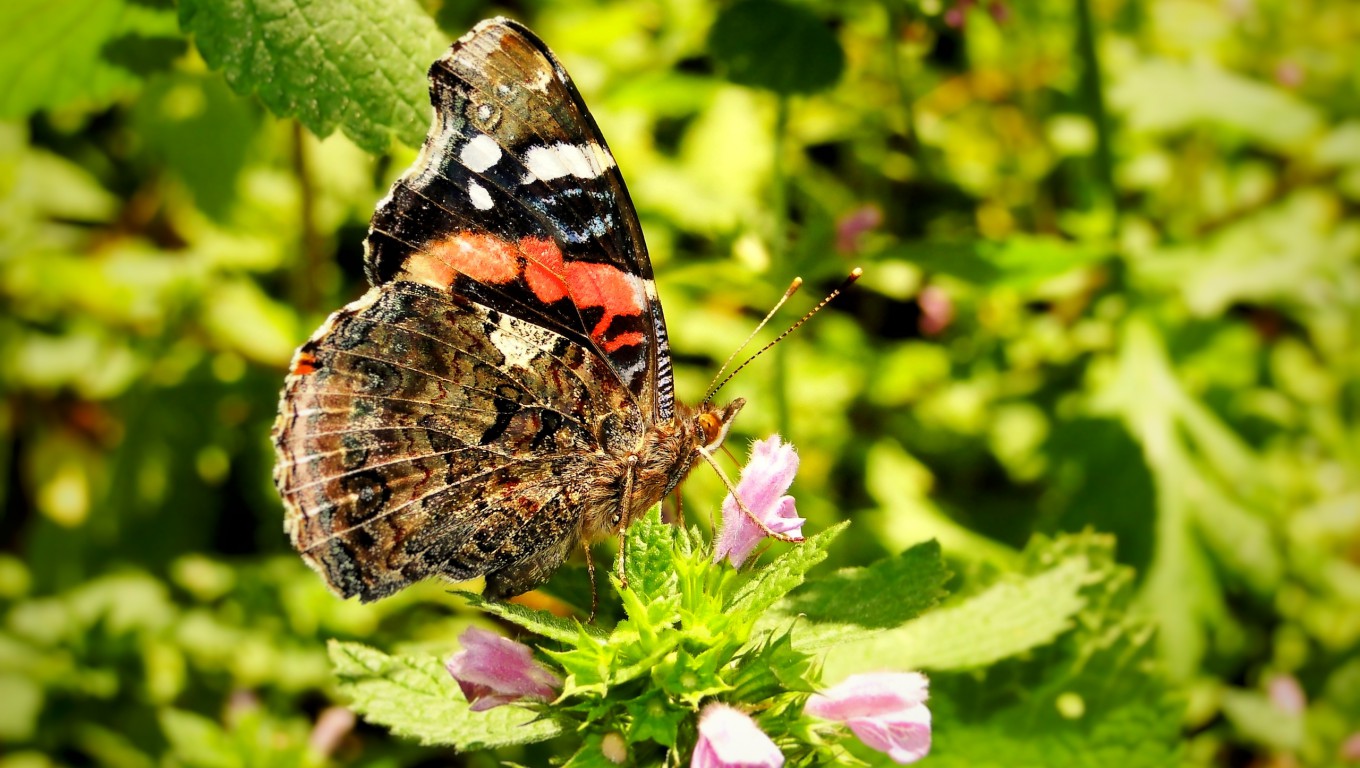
[
  {"x": 594, "y": 592},
  {"x": 741, "y": 504}
]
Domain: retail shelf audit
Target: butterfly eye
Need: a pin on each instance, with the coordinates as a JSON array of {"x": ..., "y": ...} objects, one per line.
[{"x": 710, "y": 426}]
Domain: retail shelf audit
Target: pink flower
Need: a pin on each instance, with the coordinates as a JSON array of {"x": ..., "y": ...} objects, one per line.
[
  {"x": 855, "y": 223},
  {"x": 1286, "y": 694},
  {"x": 886, "y": 710},
  {"x": 729, "y": 738},
  {"x": 937, "y": 310},
  {"x": 766, "y": 476},
  {"x": 1350, "y": 748},
  {"x": 494, "y": 670}
]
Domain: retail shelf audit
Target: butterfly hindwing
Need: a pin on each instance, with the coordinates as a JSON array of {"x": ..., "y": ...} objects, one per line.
[
  {"x": 425, "y": 434},
  {"x": 516, "y": 202}
]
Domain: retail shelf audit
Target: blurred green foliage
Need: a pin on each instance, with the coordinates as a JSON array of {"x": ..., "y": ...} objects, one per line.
[{"x": 1112, "y": 282}]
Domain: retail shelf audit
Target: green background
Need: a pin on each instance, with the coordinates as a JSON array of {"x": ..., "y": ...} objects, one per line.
[{"x": 1112, "y": 283}]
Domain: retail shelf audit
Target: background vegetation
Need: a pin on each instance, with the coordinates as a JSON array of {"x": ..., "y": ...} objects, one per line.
[{"x": 1112, "y": 284}]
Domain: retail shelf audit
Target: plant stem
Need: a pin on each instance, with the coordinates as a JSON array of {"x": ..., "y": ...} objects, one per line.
[
  {"x": 1093, "y": 102},
  {"x": 307, "y": 279}
]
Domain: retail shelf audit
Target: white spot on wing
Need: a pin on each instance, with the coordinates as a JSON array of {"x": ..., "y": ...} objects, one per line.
[
  {"x": 521, "y": 342},
  {"x": 481, "y": 199},
  {"x": 584, "y": 161},
  {"x": 480, "y": 153},
  {"x": 541, "y": 80}
]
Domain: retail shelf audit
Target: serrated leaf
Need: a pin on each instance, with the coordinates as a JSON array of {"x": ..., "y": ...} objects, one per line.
[
  {"x": 857, "y": 603},
  {"x": 1093, "y": 697},
  {"x": 356, "y": 65},
  {"x": 88, "y": 52},
  {"x": 653, "y": 717},
  {"x": 650, "y": 552},
  {"x": 884, "y": 594},
  {"x": 415, "y": 697},
  {"x": 778, "y": 46},
  {"x": 771, "y": 583},
  {"x": 536, "y": 621},
  {"x": 1004, "y": 620}
]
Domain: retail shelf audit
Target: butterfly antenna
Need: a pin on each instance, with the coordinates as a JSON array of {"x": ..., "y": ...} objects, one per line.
[
  {"x": 792, "y": 289},
  {"x": 849, "y": 280}
]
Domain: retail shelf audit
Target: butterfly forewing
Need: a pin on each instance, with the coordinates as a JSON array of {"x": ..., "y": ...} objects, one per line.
[{"x": 516, "y": 202}]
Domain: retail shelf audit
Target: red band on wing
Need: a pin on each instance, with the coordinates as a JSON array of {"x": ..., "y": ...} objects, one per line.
[
  {"x": 601, "y": 285},
  {"x": 543, "y": 269},
  {"x": 489, "y": 259},
  {"x": 590, "y": 285},
  {"x": 484, "y": 258}
]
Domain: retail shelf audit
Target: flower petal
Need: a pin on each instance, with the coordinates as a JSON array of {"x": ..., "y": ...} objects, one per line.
[
  {"x": 729, "y": 738},
  {"x": 904, "y": 736},
  {"x": 869, "y": 693},
  {"x": 767, "y": 475},
  {"x": 492, "y": 670},
  {"x": 885, "y": 710}
]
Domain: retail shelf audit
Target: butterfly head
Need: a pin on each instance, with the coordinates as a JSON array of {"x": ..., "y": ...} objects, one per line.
[{"x": 713, "y": 422}]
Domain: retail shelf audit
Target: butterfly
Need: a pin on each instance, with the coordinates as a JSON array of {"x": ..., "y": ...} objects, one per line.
[{"x": 503, "y": 392}]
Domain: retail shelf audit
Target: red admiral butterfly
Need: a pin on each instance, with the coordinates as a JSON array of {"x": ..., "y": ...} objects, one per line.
[{"x": 504, "y": 389}]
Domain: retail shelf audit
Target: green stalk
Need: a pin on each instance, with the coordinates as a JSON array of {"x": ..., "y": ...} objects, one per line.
[{"x": 1092, "y": 92}]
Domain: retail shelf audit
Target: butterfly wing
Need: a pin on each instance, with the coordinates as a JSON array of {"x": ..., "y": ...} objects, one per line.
[
  {"x": 422, "y": 433},
  {"x": 516, "y": 202}
]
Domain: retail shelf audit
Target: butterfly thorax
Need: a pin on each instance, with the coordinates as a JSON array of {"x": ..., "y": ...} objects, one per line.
[{"x": 632, "y": 481}]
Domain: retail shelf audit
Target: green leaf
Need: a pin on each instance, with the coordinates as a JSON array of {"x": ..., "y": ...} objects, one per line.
[
  {"x": 21, "y": 702},
  {"x": 777, "y": 46},
  {"x": 1004, "y": 620},
  {"x": 774, "y": 667},
  {"x": 591, "y": 754},
  {"x": 1019, "y": 261},
  {"x": 197, "y": 741},
  {"x": 79, "y": 52},
  {"x": 536, "y": 621},
  {"x": 650, "y": 557},
  {"x": 913, "y": 579},
  {"x": 354, "y": 65},
  {"x": 415, "y": 697},
  {"x": 1094, "y": 697},
  {"x": 1159, "y": 96},
  {"x": 771, "y": 583},
  {"x": 1212, "y": 495},
  {"x": 859, "y": 602},
  {"x": 654, "y": 718},
  {"x": 1263, "y": 721},
  {"x": 588, "y": 664}
]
